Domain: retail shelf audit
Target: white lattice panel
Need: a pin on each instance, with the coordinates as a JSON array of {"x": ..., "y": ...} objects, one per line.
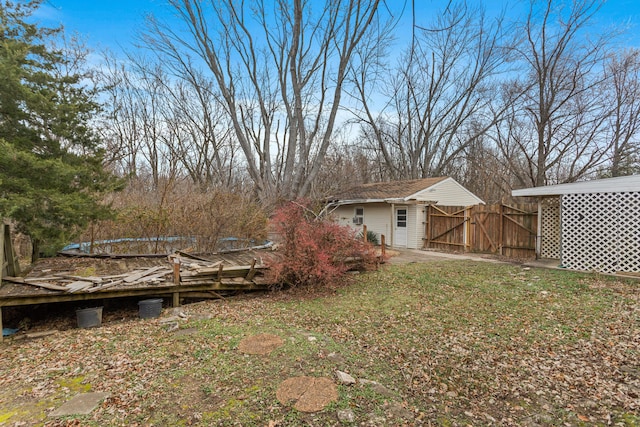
[
  {"x": 550, "y": 230},
  {"x": 629, "y": 232},
  {"x": 590, "y": 229}
]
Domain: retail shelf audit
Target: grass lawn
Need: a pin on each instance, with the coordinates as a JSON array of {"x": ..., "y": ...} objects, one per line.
[{"x": 448, "y": 343}]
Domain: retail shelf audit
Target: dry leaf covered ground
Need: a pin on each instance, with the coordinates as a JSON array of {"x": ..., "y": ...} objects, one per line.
[{"x": 445, "y": 343}]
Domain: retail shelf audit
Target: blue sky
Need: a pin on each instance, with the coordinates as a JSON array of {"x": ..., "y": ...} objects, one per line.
[
  {"x": 110, "y": 23},
  {"x": 114, "y": 23}
]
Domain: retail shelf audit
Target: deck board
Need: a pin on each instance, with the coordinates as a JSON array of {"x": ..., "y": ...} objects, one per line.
[{"x": 113, "y": 277}]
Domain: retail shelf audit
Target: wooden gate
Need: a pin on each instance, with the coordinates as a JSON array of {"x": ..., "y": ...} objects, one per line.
[
  {"x": 446, "y": 228},
  {"x": 499, "y": 229}
]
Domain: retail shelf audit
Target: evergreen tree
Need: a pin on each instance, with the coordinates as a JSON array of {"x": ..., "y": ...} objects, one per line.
[{"x": 51, "y": 171}]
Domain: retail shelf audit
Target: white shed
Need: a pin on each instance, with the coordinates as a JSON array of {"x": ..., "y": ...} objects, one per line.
[
  {"x": 591, "y": 225},
  {"x": 396, "y": 209}
]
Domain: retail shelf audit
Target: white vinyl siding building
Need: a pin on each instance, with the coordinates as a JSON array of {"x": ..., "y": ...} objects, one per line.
[
  {"x": 375, "y": 215},
  {"x": 397, "y": 209},
  {"x": 449, "y": 193}
]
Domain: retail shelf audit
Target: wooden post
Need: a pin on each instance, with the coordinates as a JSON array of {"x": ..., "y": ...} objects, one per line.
[
  {"x": 176, "y": 299},
  {"x": 8, "y": 261},
  {"x": 8, "y": 258},
  {"x": 501, "y": 213},
  {"x": 467, "y": 229},
  {"x": 176, "y": 271},
  {"x": 176, "y": 280},
  {"x": 383, "y": 245},
  {"x": 3, "y": 258},
  {"x": 364, "y": 232},
  {"x": 93, "y": 237},
  {"x": 252, "y": 271}
]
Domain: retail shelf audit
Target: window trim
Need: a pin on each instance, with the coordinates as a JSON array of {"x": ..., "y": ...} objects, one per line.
[{"x": 356, "y": 215}]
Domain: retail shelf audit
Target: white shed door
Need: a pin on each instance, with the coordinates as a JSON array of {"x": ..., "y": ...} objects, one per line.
[{"x": 400, "y": 228}]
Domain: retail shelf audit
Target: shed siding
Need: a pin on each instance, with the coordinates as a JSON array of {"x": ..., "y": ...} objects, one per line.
[
  {"x": 448, "y": 193},
  {"x": 411, "y": 226},
  {"x": 415, "y": 228},
  {"x": 377, "y": 217}
]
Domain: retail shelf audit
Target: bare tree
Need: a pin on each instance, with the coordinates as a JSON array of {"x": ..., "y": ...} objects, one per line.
[
  {"x": 624, "y": 122},
  {"x": 280, "y": 70},
  {"x": 440, "y": 94},
  {"x": 167, "y": 128},
  {"x": 561, "y": 107},
  {"x": 133, "y": 118},
  {"x": 119, "y": 130},
  {"x": 481, "y": 170},
  {"x": 198, "y": 133}
]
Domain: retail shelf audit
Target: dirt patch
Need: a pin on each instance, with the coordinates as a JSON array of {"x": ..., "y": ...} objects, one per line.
[
  {"x": 309, "y": 394},
  {"x": 260, "y": 344}
]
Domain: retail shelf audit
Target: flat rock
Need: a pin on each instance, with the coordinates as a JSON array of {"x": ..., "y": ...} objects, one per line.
[
  {"x": 171, "y": 327},
  {"x": 345, "y": 378},
  {"x": 346, "y": 416},
  {"x": 335, "y": 358},
  {"x": 376, "y": 386},
  {"x": 199, "y": 316},
  {"x": 396, "y": 410},
  {"x": 41, "y": 334},
  {"x": 81, "y": 404},
  {"x": 186, "y": 331},
  {"x": 179, "y": 311}
]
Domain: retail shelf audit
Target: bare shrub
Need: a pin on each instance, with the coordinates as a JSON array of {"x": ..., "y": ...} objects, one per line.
[{"x": 199, "y": 219}]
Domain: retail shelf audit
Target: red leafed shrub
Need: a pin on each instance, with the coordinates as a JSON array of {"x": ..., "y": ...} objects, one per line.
[{"x": 315, "y": 251}]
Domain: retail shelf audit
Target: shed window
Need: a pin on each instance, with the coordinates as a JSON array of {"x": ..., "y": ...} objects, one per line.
[{"x": 358, "y": 217}]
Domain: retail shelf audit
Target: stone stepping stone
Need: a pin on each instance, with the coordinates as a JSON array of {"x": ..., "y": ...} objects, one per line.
[
  {"x": 260, "y": 344},
  {"x": 81, "y": 404},
  {"x": 183, "y": 332},
  {"x": 310, "y": 394}
]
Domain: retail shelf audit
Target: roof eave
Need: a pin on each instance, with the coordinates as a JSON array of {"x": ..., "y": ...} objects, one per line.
[
  {"x": 405, "y": 200},
  {"x": 356, "y": 201},
  {"x": 535, "y": 192},
  {"x": 605, "y": 185}
]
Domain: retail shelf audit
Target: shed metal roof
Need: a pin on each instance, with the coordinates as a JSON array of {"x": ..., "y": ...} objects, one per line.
[{"x": 619, "y": 184}]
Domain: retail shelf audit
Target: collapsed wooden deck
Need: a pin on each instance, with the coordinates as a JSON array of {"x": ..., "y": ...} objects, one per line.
[
  {"x": 173, "y": 274},
  {"x": 179, "y": 275}
]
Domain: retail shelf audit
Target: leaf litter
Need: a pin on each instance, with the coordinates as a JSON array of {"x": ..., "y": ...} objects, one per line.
[{"x": 451, "y": 343}]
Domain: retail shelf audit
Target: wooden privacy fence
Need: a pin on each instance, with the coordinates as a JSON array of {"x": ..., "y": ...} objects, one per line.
[{"x": 499, "y": 229}]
